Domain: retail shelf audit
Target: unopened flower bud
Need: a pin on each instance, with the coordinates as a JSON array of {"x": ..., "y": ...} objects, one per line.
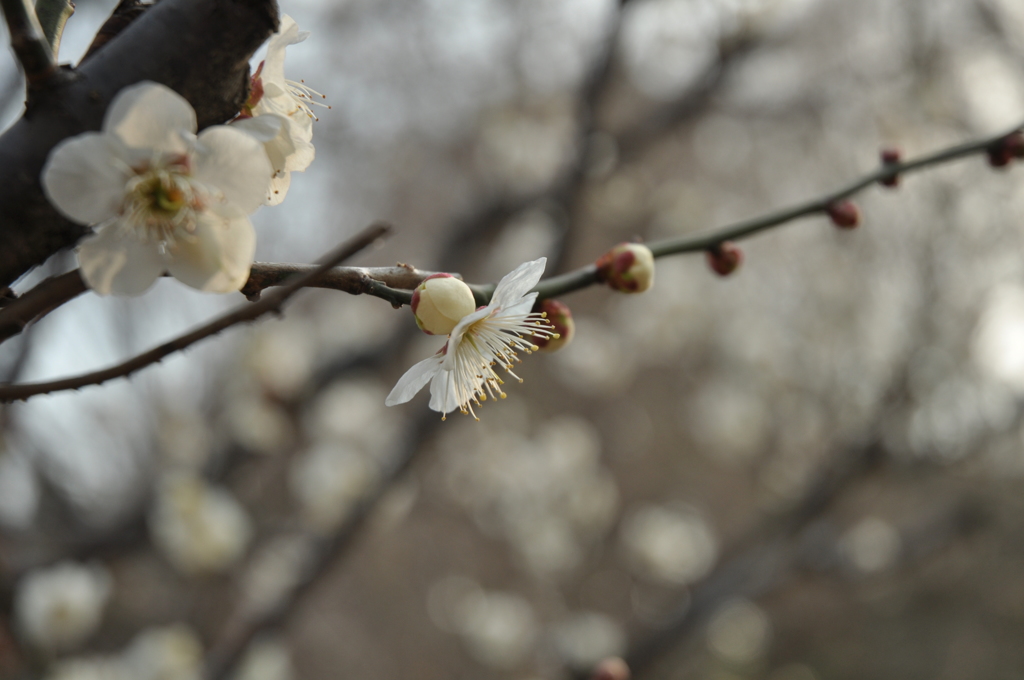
[
  {"x": 1014, "y": 143},
  {"x": 724, "y": 258},
  {"x": 1005, "y": 150},
  {"x": 627, "y": 268},
  {"x": 440, "y": 302},
  {"x": 890, "y": 156},
  {"x": 559, "y": 316},
  {"x": 844, "y": 214}
]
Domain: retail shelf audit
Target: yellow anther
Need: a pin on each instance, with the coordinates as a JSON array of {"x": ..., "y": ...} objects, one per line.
[{"x": 503, "y": 395}]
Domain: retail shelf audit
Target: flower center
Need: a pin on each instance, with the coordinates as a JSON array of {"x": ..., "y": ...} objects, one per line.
[
  {"x": 494, "y": 340},
  {"x": 162, "y": 200}
]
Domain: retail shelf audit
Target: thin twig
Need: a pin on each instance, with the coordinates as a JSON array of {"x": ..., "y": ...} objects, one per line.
[
  {"x": 703, "y": 241},
  {"x": 53, "y": 15},
  {"x": 29, "y": 42},
  {"x": 270, "y": 303},
  {"x": 46, "y": 296}
]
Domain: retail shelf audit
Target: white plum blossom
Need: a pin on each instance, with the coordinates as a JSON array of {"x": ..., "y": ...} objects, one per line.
[
  {"x": 58, "y": 607},
  {"x": 200, "y": 528},
  {"x": 279, "y": 112},
  {"x": 166, "y": 653},
  {"x": 163, "y": 199},
  {"x": 462, "y": 373}
]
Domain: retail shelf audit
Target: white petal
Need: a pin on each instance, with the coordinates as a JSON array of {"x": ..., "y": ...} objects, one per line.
[
  {"x": 235, "y": 163},
  {"x": 287, "y": 34},
  {"x": 442, "y": 393},
  {"x": 151, "y": 116},
  {"x": 115, "y": 262},
  {"x": 279, "y": 184},
  {"x": 455, "y": 337},
  {"x": 263, "y": 128},
  {"x": 218, "y": 257},
  {"x": 414, "y": 380},
  {"x": 521, "y": 308},
  {"x": 301, "y": 157},
  {"x": 85, "y": 177},
  {"x": 518, "y": 282}
]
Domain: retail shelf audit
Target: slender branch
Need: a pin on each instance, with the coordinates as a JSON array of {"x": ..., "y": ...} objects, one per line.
[
  {"x": 270, "y": 303},
  {"x": 393, "y": 284},
  {"x": 29, "y": 42},
  {"x": 53, "y": 292},
  {"x": 702, "y": 241},
  {"x": 53, "y": 15},
  {"x": 38, "y": 302},
  {"x": 354, "y": 280}
]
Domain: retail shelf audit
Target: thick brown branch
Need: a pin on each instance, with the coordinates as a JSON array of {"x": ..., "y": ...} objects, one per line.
[
  {"x": 270, "y": 303},
  {"x": 200, "y": 48}
]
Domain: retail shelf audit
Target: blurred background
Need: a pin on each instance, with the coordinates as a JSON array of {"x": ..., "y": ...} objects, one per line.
[{"x": 810, "y": 470}]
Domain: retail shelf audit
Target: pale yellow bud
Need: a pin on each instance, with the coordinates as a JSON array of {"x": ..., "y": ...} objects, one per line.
[{"x": 440, "y": 302}]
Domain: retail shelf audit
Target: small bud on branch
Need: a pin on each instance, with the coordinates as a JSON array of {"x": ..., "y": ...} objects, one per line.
[
  {"x": 724, "y": 258},
  {"x": 844, "y": 214},
  {"x": 890, "y": 156},
  {"x": 559, "y": 316},
  {"x": 627, "y": 268}
]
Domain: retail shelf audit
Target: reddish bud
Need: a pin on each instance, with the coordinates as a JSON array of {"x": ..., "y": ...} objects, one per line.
[
  {"x": 560, "y": 316},
  {"x": 612, "y": 668},
  {"x": 890, "y": 156},
  {"x": 627, "y": 268},
  {"x": 844, "y": 214},
  {"x": 1005, "y": 150},
  {"x": 1014, "y": 143},
  {"x": 724, "y": 258}
]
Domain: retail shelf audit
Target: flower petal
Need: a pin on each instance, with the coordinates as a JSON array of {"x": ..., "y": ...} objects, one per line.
[
  {"x": 279, "y": 184},
  {"x": 443, "y": 397},
  {"x": 263, "y": 128},
  {"x": 218, "y": 257},
  {"x": 521, "y": 308},
  {"x": 287, "y": 34},
  {"x": 518, "y": 283},
  {"x": 455, "y": 337},
  {"x": 413, "y": 381},
  {"x": 148, "y": 115},
  {"x": 115, "y": 262},
  {"x": 85, "y": 177},
  {"x": 301, "y": 155},
  {"x": 235, "y": 163}
]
